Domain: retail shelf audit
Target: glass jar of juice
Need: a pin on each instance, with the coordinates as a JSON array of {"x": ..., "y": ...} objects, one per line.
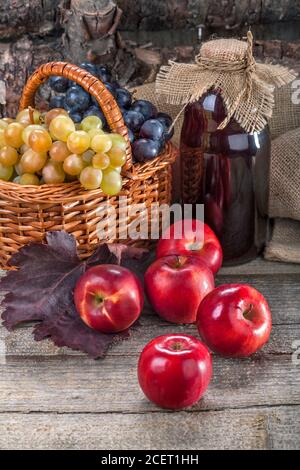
[{"x": 227, "y": 170}]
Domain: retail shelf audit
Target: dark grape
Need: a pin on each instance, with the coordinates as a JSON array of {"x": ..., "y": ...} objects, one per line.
[
  {"x": 152, "y": 129},
  {"x": 131, "y": 135},
  {"x": 166, "y": 121},
  {"x": 169, "y": 134},
  {"x": 115, "y": 84},
  {"x": 91, "y": 68},
  {"x": 96, "y": 111},
  {"x": 134, "y": 120},
  {"x": 94, "y": 101},
  {"x": 145, "y": 149},
  {"x": 110, "y": 88},
  {"x": 147, "y": 109},
  {"x": 57, "y": 102},
  {"x": 162, "y": 144},
  {"x": 59, "y": 84},
  {"x": 69, "y": 108},
  {"x": 103, "y": 73},
  {"x": 76, "y": 117},
  {"x": 123, "y": 98},
  {"x": 77, "y": 98}
]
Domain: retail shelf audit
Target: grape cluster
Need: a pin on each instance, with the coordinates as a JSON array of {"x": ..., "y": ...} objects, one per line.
[
  {"x": 148, "y": 129},
  {"x": 51, "y": 148}
]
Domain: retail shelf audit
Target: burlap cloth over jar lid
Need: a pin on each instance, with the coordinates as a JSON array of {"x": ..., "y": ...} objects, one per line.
[{"x": 247, "y": 87}]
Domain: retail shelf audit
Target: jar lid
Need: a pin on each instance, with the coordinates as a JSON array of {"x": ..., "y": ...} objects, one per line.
[{"x": 247, "y": 87}]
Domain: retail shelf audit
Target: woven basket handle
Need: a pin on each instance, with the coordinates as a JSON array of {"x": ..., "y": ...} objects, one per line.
[{"x": 90, "y": 84}]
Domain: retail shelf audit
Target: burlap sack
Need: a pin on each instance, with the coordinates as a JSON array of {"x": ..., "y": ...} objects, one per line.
[
  {"x": 227, "y": 65},
  {"x": 286, "y": 114},
  {"x": 285, "y": 242},
  {"x": 284, "y": 201}
]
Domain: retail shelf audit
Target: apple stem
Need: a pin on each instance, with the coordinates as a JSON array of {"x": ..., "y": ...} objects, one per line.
[
  {"x": 98, "y": 299},
  {"x": 247, "y": 312},
  {"x": 180, "y": 260},
  {"x": 176, "y": 346}
]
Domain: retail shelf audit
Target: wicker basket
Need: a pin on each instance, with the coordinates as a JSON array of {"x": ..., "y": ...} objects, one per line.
[{"x": 28, "y": 212}]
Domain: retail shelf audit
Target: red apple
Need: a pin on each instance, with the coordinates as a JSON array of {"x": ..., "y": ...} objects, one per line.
[
  {"x": 191, "y": 237},
  {"x": 109, "y": 298},
  {"x": 175, "y": 286},
  {"x": 234, "y": 320},
  {"x": 174, "y": 371}
]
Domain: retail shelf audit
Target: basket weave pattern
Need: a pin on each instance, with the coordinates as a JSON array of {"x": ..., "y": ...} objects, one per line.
[{"x": 28, "y": 212}]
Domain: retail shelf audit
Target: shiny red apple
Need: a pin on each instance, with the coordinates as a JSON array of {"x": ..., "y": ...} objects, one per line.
[
  {"x": 175, "y": 286},
  {"x": 191, "y": 237},
  {"x": 174, "y": 371},
  {"x": 109, "y": 298},
  {"x": 234, "y": 320}
]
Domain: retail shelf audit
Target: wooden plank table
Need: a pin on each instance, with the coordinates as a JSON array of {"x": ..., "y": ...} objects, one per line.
[{"x": 54, "y": 398}]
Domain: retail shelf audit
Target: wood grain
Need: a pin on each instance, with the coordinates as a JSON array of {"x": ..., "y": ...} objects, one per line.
[
  {"x": 258, "y": 428},
  {"x": 73, "y": 384},
  {"x": 20, "y": 342}
]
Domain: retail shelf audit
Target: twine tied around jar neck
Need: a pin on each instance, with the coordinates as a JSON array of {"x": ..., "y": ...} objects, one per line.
[{"x": 227, "y": 65}]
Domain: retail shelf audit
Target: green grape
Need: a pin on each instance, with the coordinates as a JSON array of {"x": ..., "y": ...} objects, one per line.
[
  {"x": 32, "y": 162},
  {"x": 87, "y": 156},
  {"x": 27, "y": 131},
  {"x": 19, "y": 169},
  {"x": 24, "y": 148},
  {"x": 78, "y": 142},
  {"x": 53, "y": 173},
  {"x": 101, "y": 161},
  {"x": 91, "y": 122},
  {"x": 8, "y": 156},
  {"x": 53, "y": 113},
  {"x": 24, "y": 117},
  {"x": 40, "y": 141},
  {"x": 61, "y": 127},
  {"x": 101, "y": 143},
  {"x": 117, "y": 168},
  {"x": 117, "y": 157},
  {"x": 111, "y": 182},
  {"x": 118, "y": 141},
  {"x": 94, "y": 132},
  {"x": 59, "y": 151},
  {"x": 91, "y": 178},
  {"x": 8, "y": 120},
  {"x": 73, "y": 165},
  {"x": 6, "y": 172},
  {"x": 3, "y": 124},
  {"x": 2, "y": 138},
  {"x": 13, "y": 134},
  {"x": 29, "y": 179}
]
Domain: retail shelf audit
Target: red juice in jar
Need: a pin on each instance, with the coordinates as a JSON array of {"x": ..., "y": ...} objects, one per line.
[{"x": 227, "y": 170}]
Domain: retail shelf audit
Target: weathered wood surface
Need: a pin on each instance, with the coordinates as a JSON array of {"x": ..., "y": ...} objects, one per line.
[
  {"x": 190, "y": 13},
  {"x": 257, "y": 428},
  {"x": 56, "y": 398}
]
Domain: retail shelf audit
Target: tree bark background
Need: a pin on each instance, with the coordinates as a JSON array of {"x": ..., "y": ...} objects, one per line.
[{"x": 37, "y": 31}]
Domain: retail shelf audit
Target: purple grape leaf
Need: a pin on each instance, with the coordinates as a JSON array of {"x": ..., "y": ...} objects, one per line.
[{"x": 43, "y": 285}]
